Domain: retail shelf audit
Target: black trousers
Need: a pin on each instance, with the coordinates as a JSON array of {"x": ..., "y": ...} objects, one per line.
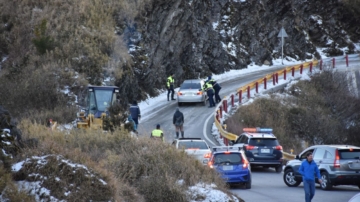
[{"x": 171, "y": 89}]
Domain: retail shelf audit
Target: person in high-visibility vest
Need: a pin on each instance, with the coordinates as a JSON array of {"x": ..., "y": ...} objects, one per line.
[
  {"x": 157, "y": 133},
  {"x": 170, "y": 86},
  {"x": 216, "y": 87},
  {"x": 210, "y": 93}
]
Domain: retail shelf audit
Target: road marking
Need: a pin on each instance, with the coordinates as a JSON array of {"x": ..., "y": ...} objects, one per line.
[{"x": 204, "y": 130}]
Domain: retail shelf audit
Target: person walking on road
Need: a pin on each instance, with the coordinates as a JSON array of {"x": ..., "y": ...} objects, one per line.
[
  {"x": 216, "y": 87},
  {"x": 178, "y": 121},
  {"x": 157, "y": 133},
  {"x": 135, "y": 114},
  {"x": 308, "y": 169},
  {"x": 210, "y": 93},
  {"x": 170, "y": 86}
]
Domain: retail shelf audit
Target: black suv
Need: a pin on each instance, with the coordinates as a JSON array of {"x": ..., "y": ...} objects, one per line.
[
  {"x": 261, "y": 147},
  {"x": 338, "y": 165}
]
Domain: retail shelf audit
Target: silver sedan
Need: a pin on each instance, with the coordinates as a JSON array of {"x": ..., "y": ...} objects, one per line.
[{"x": 191, "y": 91}]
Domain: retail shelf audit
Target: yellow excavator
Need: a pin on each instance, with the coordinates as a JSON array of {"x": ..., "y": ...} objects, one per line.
[{"x": 97, "y": 103}]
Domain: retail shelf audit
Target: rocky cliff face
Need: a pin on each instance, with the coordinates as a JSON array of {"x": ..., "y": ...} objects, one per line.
[{"x": 194, "y": 38}]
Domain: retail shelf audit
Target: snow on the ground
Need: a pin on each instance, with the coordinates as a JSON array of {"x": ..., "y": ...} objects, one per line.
[
  {"x": 209, "y": 192},
  {"x": 151, "y": 105}
]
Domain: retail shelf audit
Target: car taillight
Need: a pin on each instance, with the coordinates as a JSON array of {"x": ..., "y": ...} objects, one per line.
[
  {"x": 199, "y": 93},
  {"x": 207, "y": 155},
  {"x": 180, "y": 93},
  {"x": 250, "y": 147},
  {"x": 210, "y": 164},
  {"x": 337, "y": 159},
  {"x": 245, "y": 163},
  {"x": 279, "y": 147}
]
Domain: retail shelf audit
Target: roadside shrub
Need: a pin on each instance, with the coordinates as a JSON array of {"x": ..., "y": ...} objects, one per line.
[
  {"x": 323, "y": 110},
  {"x": 136, "y": 169},
  {"x": 265, "y": 112}
]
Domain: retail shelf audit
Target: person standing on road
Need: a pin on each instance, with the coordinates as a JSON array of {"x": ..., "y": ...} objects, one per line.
[
  {"x": 170, "y": 86},
  {"x": 308, "y": 169},
  {"x": 210, "y": 93},
  {"x": 178, "y": 121},
  {"x": 135, "y": 114},
  {"x": 216, "y": 87},
  {"x": 157, "y": 133}
]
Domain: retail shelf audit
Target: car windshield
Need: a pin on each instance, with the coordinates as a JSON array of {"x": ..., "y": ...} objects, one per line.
[
  {"x": 349, "y": 154},
  {"x": 192, "y": 145},
  {"x": 103, "y": 99},
  {"x": 190, "y": 86},
  {"x": 233, "y": 158},
  {"x": 263, "y": 142}
]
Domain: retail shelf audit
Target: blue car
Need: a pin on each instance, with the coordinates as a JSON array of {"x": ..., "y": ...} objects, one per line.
[{"x": 232, "y": 164}]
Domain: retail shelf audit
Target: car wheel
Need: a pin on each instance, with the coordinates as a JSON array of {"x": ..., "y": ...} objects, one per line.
[
  {"x": 248, "y": 184},
  {"x": 278, "y": 169},
  {"x": 325, "y": 184},
  {"x": 204, "y": 102},
  {"x": 289, "y": 178}
]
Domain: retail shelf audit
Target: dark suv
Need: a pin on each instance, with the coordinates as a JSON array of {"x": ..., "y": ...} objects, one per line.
[
  {"x": 261, "y": 147},
  {"x": 338, "y": 165}
]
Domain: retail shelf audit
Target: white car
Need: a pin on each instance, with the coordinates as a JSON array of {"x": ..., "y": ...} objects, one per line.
[
  {"x": 195, "y": 147},
  {"x": 191, "y": 92}
]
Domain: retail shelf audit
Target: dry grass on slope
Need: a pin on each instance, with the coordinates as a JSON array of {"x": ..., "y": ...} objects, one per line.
[{"x": 134, "y": 169}]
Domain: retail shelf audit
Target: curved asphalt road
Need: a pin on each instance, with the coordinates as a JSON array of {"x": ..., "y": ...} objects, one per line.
[{"x": 267, "y": 185}]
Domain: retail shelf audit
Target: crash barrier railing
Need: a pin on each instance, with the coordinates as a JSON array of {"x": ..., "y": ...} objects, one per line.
[{"x": 274, "y": 77}]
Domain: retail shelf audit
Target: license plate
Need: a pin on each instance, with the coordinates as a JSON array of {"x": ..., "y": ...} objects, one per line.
[
  {"x": 265, "y": 150},
  {"x": 355, "y": 165},
  {"x": 227, "y": 167}
]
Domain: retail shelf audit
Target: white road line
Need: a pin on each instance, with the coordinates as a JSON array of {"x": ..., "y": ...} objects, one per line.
[{"x": 204, "y": 130}]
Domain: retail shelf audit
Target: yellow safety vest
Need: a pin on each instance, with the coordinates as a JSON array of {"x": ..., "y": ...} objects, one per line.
[
  {"x": 207, "y": 86},
  {"x": 157, "y": 133},
  {"x": 170, "y": 81}
]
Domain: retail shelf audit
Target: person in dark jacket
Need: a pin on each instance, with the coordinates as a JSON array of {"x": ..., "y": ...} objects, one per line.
[
  {"x": 308, "y": 169},
  {"x": 178, "y": 121},
  {"x": 135, "y": 114},
  {"x": 216, "y": 87}
]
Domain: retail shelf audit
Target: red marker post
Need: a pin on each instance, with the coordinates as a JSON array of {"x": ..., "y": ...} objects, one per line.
[
  {"x": 284, "y": 74},
  {"x": 293, "y": 71},
  {"x": 347, "y": 60},
  {"x": 232, "y": 100},
  {"x": 240, "y": 96},
  {"x": 333, "y": 61},
  {"x": 311, "y": 65},
  {"x": 301, "y": 68},
  {"x": 265, "y": 83},
  {"x": 257, "y": 87},
  {"x": 248, "y": 92}
]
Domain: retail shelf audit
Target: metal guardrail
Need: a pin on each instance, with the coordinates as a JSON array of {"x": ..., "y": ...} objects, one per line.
[{"x": 300, "y": 67}]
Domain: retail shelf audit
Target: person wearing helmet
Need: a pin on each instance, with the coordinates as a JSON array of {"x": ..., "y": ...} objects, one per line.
[{"x": 157, "y": 133}]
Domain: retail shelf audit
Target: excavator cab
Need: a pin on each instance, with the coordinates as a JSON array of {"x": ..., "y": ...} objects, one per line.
[{"x": 97, "y": 101}]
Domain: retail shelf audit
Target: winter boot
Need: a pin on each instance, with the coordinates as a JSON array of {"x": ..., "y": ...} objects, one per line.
[
  {"x": 182, "y": 134},
  {"x": 177, "y": 135}
]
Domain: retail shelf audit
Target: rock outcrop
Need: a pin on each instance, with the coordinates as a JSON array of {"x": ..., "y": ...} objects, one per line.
[{"x": 196, "y": 38}]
